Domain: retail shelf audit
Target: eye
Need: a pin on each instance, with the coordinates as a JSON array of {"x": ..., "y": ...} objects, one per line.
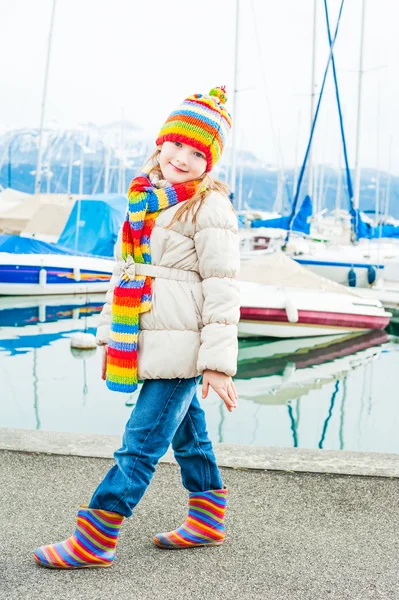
[{"x": 199, "y": 155}]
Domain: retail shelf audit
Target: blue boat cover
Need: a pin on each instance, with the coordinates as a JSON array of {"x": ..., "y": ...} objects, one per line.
[
  {"x": 365, "y": 230},
  {"x": 14, "y": 244},
  {"x": 299, "y": 224},
  {"x": 101, "y": 217}
]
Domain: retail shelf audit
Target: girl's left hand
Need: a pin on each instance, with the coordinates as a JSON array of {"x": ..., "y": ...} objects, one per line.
[{"x": 223, "y": 386}]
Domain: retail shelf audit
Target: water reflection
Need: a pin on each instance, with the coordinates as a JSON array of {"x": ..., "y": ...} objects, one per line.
[
  {"x": 36, "y": 321},
  {"x": 325, "y": 392},
  {"x": 277, "y": 371}
]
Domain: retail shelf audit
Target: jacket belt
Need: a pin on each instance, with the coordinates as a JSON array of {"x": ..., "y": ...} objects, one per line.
[{"x": 130, "y": 268}]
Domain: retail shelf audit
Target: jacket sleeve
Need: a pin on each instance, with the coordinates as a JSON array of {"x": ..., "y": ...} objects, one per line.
[
  {"x": 104, "y": 323},
  {"x": 217, "y": 245}
]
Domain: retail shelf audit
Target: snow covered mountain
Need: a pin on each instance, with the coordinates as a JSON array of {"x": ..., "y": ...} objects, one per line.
[{"x": 109, "y": 157}]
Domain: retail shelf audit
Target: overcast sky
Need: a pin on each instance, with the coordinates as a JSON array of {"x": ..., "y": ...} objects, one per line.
[{"x": 143, "y": 57}]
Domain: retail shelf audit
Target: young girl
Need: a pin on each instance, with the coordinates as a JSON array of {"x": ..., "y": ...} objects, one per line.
[{"x": 170, "y": 316}]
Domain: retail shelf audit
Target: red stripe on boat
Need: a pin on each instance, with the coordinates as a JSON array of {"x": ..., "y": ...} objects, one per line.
[{"x": 313, "y": 317}]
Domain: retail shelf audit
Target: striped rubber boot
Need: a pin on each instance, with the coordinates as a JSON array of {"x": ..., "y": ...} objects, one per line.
[
  {"x": 204, "y": 525},
  {"x": 92, "y": 545}
]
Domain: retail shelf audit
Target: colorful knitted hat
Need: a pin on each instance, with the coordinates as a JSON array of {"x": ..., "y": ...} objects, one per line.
[{"x": 200, "y": 121}]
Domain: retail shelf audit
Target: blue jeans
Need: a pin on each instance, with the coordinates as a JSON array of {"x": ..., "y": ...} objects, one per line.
[{"x": 167, "y": 411}]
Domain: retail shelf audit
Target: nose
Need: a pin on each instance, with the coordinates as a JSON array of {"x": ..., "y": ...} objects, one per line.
[{"x": 182, "y": 156}]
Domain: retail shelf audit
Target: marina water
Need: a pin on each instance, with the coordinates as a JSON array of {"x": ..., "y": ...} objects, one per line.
[{"x": 338, "y": 392}]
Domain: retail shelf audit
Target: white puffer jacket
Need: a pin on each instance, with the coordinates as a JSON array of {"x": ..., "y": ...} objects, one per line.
[{"x": 192, "y": 325}]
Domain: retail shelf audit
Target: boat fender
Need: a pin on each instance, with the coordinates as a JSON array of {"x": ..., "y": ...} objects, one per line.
[
  {"x": 83, "y": 353},
  {"x": 291, "y": 311},
  {"x": 83, "y": 341},
  {"x": 76, "y": 274},
  {"x": 289, "y": 370},
  {"x": 352, "y": 278},
  {"x": 42, "y": 277},
  {"x": 371, "y": 275}
]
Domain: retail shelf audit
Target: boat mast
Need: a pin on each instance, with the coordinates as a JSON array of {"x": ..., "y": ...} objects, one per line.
[
  {"x": 71, "y": 151},
  {"x": 241, "y": 174},
  {"x": 81, "y": 188},
  {"x": 388, "y": 188},
  {"x": 40, "y": 149},
  {"x": 49, "y": 156},
  {"x": 296, "y": 153},
  {"x": 121, "y": 181},
  {"x": 356, "y": 193},
  {"x": 338, "y": 190},
  {"x": 82, "y": 164},
  {"x": 234, "y": 137},
  {"x": 378, "y": 205},
  {"x": 107, "y": 168},
  {"x": 312, "y": 98}
]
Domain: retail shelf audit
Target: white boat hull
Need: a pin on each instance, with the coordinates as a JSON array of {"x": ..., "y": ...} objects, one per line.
[
  {"x": 49, "y": 274},
  {"x": 282, "y": 330},
  {"x": 269, "y": 311}
]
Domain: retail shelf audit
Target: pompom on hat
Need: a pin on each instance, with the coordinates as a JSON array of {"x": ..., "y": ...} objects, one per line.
[{"x": 200, "y": 121}]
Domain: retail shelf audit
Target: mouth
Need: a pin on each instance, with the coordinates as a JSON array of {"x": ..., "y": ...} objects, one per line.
[{"x": 177, "y": 169}]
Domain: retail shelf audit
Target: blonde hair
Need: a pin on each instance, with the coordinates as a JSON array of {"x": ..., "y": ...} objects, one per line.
[{"x": 195, "y": 203}]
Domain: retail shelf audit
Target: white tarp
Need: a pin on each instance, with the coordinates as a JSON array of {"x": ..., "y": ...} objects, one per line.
[
  {"x": 283, "y": 272},
  {"x": 34, "y": 214},
  {"x": 48, "y": 222},
  {"x": 10, "y": 199}
]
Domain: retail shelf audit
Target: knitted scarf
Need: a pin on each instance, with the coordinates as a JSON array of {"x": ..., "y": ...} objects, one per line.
[{"x": 132, "y": 295}]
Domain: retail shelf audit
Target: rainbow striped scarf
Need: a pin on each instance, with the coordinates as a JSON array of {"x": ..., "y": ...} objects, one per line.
[{"x": 132, "y": 295}]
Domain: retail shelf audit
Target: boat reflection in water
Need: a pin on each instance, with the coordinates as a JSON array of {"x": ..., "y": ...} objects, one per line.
[
  {"x": 292, "y": 392},
  {"x": 278, "y": 371},
  {"x": 282, "y": 373},
  {"x": 29, "y": 322}
]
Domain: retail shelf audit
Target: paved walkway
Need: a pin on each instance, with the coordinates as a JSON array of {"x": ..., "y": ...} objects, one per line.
[{"x": 291, "y": 536}]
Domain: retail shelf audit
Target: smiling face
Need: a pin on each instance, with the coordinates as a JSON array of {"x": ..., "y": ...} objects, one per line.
[{"x": 181, "y": 163}]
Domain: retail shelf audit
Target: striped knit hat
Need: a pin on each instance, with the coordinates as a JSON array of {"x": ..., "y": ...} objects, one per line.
[{"x": 200, "y": 121}]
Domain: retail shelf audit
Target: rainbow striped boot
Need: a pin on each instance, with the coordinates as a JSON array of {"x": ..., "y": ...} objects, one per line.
[
  {"x": 204, "y": 525},
  {"x": 92, "y": 545}
]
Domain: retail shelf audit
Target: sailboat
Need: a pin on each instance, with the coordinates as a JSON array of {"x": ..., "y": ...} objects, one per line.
[
  {"x": 280, "y": 298},
  {"x": 372, "y": 267}
]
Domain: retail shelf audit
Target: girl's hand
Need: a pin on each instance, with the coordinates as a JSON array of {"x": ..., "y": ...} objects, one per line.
[
  {"x": 223, "y": 386},
  {"x": 104, "y": 362}
]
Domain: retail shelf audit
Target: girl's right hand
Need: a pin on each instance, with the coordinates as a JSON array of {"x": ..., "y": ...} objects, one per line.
[{"x": 104, "y": 362}]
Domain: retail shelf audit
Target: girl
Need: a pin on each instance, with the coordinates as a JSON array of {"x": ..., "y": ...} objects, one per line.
[{"x": 170, "y": 316}]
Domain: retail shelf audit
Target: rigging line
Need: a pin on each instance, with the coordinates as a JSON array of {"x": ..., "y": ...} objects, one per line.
[
  {"x": 276, "y": 145},
  {"x": 341, "y": 119},
  {"x": 342, "y": 416},
  {"x": 325, "y": 189},
  {"x": 302, "y": 172},
  {"x": 298, "y": 411},
  {"x": 293, "y": 425},
  {"x": 255, "y": 431},
  {"x": 98, "y": 179},
  {"x": 8, "y": 142},
  {"x": 330, "y": 411},
  {"x": 58, "y": 184},
  {"x": 35, "y": 393}
]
